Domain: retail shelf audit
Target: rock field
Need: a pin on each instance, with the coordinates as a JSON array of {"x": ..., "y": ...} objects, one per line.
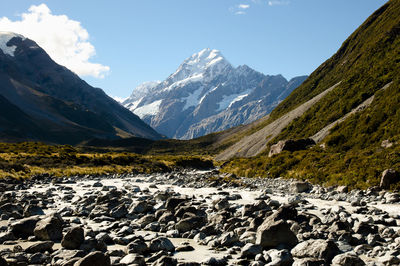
[{"x": 191, "y": 218}]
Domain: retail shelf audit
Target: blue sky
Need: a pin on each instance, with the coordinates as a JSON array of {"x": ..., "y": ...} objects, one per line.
[{"x": 126, "y": 42}]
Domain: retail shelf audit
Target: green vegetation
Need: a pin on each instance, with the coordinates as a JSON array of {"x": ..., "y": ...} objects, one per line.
[
  {"x": 23, "y": 160},
  {"x": 367, "y": 61}
]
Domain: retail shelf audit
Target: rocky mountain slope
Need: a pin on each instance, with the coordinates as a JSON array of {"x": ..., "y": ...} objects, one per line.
[
  {"x": 41, "y": 100},
  {"x": 207, "y": 94},
  {"x": 348, "y": 107}
]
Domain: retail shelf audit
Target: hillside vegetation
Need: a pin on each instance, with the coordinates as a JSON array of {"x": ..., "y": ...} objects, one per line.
[{"x": 367, "y": 61}]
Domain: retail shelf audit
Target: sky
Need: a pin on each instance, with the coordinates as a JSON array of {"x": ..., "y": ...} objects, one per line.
[{"x": 117, "y": 45}]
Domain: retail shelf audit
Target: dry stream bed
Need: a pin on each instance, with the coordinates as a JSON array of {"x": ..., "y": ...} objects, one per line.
[{"x": 183, "y": 218}]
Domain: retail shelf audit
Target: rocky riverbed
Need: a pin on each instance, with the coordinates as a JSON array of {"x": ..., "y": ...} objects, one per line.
[{"x": 192, "y": 218}]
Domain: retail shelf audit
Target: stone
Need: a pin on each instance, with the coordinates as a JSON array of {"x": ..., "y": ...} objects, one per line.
[
  {"x": 95, "y": 258},
  {"x": 290, "y": 145},
  {"x": 316, "y": 248},
  {"x": 25, "y": 227},
  {"x": 73, "y": 238},
  {"x": 31, "y": 210},
  {"x": 133, "y": 259},
  {"x": 6, "y": 236},
  {"x": 140, "y": 207},
  {"x": 389, "y": 177},
  {"x": 119, "y": 212},
  {"x": 275, "y": 231},
  {"x": 173, "y": 202},
  {"x": 166, "y": 261},
  {"x": 308, "y": 262},
  {"x": 40, "y": 247},
  {"x": 138, "y": 246},
  {"x": 161, "y": 243},
  {"x": 49, "y": 228},
  {"x": 249, "y": 251},
  {"x": 190, "y": 223},
  {"x": 280, "y": 257},
  {"x": 347, "y": 259},
  {"x": 38, "y": 259},
  {"x": 300, "y": 186}
]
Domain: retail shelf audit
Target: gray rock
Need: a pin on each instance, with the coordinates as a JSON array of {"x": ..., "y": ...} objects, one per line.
[
  {"x": 119, "y": 212},
  {"x": 273, "y": 234},
  {"x": 161, "y": 243},
  {"x": 50, "y": 228},
  {"x": 138, "y": 246},
  {"x": 300, "y": 186},
  {"x": 290, "y": 145},
  {"x": 308, "y": 262},
  {"x": 250, "y": 251},
  {"x": 73, "y": 238},
  {"x": 318, "y": 249},
  {"x": 347, "y": 259},
  {"x": 140, "y": 207},
  {"x": 25, "y": 227},
  {"x": 165, "y": 261},
  {"x": 389, "y": 177},
  {"x": 95, "y": 258},
  {"x": 133, "y": 259},
  {"x": 37, "y": 258},
  {"x": 40, "y": 247},
  {"x": 279, "y": 257},
  {"x": 31, "y": 210}
]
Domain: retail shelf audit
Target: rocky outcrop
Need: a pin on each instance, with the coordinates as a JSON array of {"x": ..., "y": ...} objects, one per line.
[{"x": 291, "y": 146}]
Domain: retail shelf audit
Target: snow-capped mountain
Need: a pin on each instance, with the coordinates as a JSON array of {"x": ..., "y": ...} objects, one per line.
[{"x": 207, "y": 94}]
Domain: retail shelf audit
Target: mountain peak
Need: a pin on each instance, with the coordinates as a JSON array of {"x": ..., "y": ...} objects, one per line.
[
  {"x": 5, "y": 37},
  {"x": 207, "y": 60}
]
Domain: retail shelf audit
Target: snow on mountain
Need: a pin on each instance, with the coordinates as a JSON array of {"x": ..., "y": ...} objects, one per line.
[
  {"x": 206, "y": 85},
  {"x": 5, "y": 37}
]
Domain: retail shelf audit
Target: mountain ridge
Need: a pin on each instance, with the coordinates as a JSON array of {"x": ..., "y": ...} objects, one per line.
[
  {"x": 55, "y": 99},
  {"x": 207, "y": 94}
]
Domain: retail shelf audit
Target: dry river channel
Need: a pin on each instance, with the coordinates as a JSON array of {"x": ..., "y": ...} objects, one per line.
[{"x": 194, "y": 218}]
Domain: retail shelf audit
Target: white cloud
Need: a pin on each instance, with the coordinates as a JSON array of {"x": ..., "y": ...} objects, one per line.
[
  {"x": 278, "y": 3},
  {"x": 65, "y": 40},
  {"x": 239, "y": 9},
  {"x": 243, "y": 6}
]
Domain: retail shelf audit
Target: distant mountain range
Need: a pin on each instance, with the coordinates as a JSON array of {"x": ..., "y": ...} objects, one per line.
[
  {"x": 207, "y": 94},
  {"x": 41, "y": 100}
]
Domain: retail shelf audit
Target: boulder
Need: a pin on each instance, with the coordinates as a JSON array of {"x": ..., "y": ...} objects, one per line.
[
  {"x": 273, "y": 234},
  {"x": 138, "y": 246},
  {"x": 308, "y": 262},
  {"x": 300, "y": 186},
  {"x": 347, "y": 259},
  {"x": 95, "y": 258},
  {"x": 173, "y": 202},
  {"x": 316, "y": 248},
  {"x": 31, "y": 210},
  {"x": 389, "y": 177},
  {"x": 25, "y": 227},
  {"x": 250, "y": 251},
  {"x": 119, "y": 212},
  {"x": 73, "y": 238},
  {"x": 50, "y": 228},
  {"x": 189, "y": 223},
  {"x": 290, "y": 145},
  {"x": 140, "y": 207},
  {"x": 133, "y": 259},
  {"x": 40, "y": 247},
  {"x": 161, "y": 243}
]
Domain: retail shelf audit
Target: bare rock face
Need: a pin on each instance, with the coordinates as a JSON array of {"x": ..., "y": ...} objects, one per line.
[
  {"x": 389, "y": 177},
  {"x": 50, "y": 228},
  {"x": 290, "y": 145}
]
